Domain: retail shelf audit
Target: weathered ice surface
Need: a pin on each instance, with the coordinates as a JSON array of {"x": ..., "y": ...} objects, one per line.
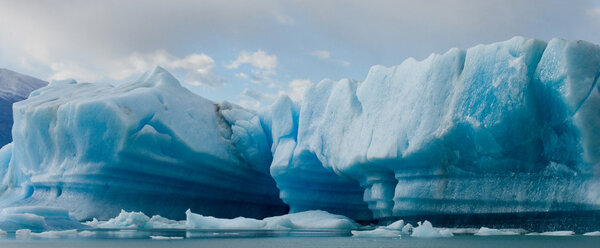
[
  {"x": 149, "y": 146},
  {"x": 508, "y": 127}
]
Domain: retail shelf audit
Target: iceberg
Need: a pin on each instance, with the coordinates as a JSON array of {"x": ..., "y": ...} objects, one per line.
[
  {"x": 150, "y": 145},
  {"x": 503, "y": 129},
  {"x": 509, "y": 127}
]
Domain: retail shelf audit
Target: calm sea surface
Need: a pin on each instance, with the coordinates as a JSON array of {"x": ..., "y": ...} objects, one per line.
[{"x": 292, "y": 240}]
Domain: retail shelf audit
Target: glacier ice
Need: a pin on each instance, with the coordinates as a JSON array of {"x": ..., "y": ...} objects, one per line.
[
  {"x": 508, "y": 127},
  {"x": 150, "y": 145}
]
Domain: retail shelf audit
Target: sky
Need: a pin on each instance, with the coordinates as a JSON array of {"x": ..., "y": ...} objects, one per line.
[{"x": 250, "y": 52}]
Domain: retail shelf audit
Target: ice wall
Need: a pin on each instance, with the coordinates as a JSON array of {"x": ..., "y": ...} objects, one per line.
[
  {"x": 507, "y": 127},
  {"x": 150, "y": 146}
]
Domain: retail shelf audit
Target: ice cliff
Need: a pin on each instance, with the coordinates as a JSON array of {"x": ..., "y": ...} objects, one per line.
[
  {"x": 149, "y": 146},
  {"x": 509, "y": 127}
]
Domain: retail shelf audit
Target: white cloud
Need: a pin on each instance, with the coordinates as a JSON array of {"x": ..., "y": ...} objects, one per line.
[
  {"x": 297, "y": 88},
  {"x": 326, "y": 55},
  {"x": 195, "y": 69},
  {"x": 344, "y": 63},
  {"x": 594, "y": 12},
  {"x": 256, "y": 95},
  {"x": 321, "y": 54},
  {"x": 249, "y": 104},
  {"x": 65, "y": 70},
  {"x": 263, "y": 66},
  {"x": 259, "y": 60}
]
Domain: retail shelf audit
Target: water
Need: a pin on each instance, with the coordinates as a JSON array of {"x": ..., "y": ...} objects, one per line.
[{"x": 262, "y": 239}]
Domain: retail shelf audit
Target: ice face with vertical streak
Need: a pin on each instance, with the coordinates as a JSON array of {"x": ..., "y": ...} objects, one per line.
[{"x": 500, "y": 128}]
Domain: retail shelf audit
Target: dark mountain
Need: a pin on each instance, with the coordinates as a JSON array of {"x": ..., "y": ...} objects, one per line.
[{"x": 14, "y": 87}]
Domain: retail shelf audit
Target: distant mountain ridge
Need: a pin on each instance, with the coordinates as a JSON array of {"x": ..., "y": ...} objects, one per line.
[{"x": 14, "y": 87}]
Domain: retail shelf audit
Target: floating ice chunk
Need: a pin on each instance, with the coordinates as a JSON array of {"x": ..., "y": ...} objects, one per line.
[
  {"x": 445, "y": 232},
  {"x": 208, "y": 222},
  {"x": 2, "y": 232},
  {"x": 397, "y": 225},
  {"x": 553, "y": 233},
  {"x": 23, "y": 234},
  {"x": 158, "y": 221},
  {"x": 164, "y": 237},
  {"x": 484, "y": 231},
  {"x": 314, "y": 219},
  {"x": 136, "y": 220},
  {"x": 126, "y": 220},
  {"x": 407, "y": 229},
  {"x": 55, "y": 234},
  {"x": 463, "y": 230},
  {"x": 380, "y": 232},
  {"x": 596, "y": 233},
  {"x": 558, "y": 233},
  {"x": 426, "y": 230}
]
